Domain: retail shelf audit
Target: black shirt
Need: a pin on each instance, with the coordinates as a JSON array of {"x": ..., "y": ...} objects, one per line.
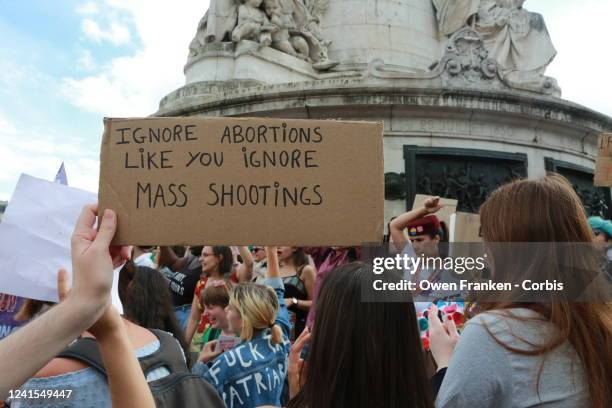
[{"x": 183, "y": 282}]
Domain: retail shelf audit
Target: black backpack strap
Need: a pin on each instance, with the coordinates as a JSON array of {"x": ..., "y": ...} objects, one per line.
[
  {"x": 169, "y": 354},
  {"x": 86, "y": 350}
]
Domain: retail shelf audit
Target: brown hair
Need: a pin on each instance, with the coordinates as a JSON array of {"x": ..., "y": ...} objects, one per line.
[
  {"x": 216, "y": 295},
  {"x": 299, "y": 258},
  {"x": 549, "y": 210},
  {"x": 370, "y": 355}
]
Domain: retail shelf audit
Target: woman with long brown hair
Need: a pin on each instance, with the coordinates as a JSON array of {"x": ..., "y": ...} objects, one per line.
[
  {"x": 362, "y": 353},
  {"x": 554, "y": 352}
]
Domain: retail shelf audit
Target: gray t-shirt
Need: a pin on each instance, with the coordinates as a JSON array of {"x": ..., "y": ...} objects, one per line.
[{"x": 482, "y": 373}]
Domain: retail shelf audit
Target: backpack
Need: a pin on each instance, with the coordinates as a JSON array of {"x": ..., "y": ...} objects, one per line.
[{"x": 179, "y": 389}]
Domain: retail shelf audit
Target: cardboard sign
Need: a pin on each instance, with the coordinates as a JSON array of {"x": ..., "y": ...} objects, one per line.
[
  {"x": 603, "y": 165},
  {"x": 449, "y": 207},
  {"x": 223, "y": 181},
  {"x": 465, "y": 227}
]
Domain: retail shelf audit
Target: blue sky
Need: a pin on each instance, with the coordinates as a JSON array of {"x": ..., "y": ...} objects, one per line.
[{"x": 65, "y": 64}]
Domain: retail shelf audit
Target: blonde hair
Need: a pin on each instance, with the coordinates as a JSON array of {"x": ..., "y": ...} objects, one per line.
[{"x": 258, "y": 306}]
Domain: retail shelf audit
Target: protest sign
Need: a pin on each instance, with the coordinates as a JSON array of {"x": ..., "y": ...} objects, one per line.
[
  {"x": 603, "y": 165},
  {"x": 243, "y": 181},
  {"x": 35, "y": 238},
  {"x": 465, "y": 227},
  {"x": 449, "y": 206}
]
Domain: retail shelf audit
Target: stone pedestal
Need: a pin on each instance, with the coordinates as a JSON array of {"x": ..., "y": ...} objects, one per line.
[
  {"x": 446, "y": 102},
  {"x": 247, "y": 61},
  {"x": 400, "y": 34},
  {"x": 423, "y": 113}
]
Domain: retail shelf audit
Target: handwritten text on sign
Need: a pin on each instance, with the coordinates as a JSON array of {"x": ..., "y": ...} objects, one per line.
[{"x": 262, "y": 180}]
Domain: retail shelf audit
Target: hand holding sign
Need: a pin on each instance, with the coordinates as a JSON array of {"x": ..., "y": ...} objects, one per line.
[
  {"x": 92, "y": 258},
  {"x": 110, "y": 321},
  {"x": 41, "y": 340}
]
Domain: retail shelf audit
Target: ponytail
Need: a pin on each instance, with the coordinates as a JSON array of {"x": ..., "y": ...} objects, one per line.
[
  {"x": 258, "y": 307},
  {"x": 276, "y": 335}
]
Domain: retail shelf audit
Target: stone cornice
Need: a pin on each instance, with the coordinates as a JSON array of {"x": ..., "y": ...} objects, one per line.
[{"x": 367, "y": 91}]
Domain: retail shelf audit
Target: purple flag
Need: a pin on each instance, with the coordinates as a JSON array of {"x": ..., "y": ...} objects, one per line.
[{"x": 60, "y": 177}]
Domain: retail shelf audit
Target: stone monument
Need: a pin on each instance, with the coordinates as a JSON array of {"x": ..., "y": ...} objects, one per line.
[{"x": 460, "y": 86}]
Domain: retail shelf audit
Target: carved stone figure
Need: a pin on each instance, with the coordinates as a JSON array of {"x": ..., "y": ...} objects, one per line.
[
  {"x": 253, "y": 24},
  {"x": 466, "y": 61},
  {"x": 290, "y": 26},
  {"x": 287, "y": 38},
  {"x": 299, "y": 32},
  {"x": 309, "y": 19},
  {"x": 216, "y": 25},
  {"x": 453, "y": 15},
  {"x": 516, "y": 38}
]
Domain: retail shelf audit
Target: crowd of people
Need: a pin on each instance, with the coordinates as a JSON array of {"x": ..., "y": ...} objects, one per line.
[{"x": 287, "y": 326}]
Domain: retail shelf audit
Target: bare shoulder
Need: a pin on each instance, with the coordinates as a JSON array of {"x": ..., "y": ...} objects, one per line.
[
  {"x": 59, "y": 366},
  {"x": 309, "y": 271},
  {"x": 139, "y": 337}
]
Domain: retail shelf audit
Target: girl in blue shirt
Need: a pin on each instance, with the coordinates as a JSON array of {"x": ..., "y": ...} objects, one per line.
[{"x": 253, "y": 373}]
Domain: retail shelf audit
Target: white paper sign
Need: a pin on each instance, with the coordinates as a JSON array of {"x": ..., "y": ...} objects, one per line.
[{"x": 35, "y": 238}]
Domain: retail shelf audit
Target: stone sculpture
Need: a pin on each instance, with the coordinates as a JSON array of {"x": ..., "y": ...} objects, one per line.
[
  {"x": 290, "y": 26},
  {"x": 514, "y": 37},
  {"x": 287, "y": 38},
  {"x": 253, "y": 24},
  {"x": 216, "y": 25}
]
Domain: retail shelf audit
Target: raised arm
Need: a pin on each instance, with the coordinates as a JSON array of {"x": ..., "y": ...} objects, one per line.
[
  {"x": 397, "y": 226},
  {"x": 168, "y": 258},
  {"x": 273, "y": 270},
  {"x": 126, "y": 381},
  {"x": 245, "y": 270},
  {"x": 27, "y": 350},
  {"x": 273, "y": 279}
]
